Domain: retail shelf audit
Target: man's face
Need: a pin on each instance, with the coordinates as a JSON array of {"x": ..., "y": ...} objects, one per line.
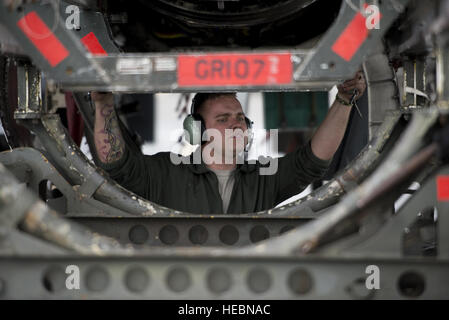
[{"x": 225, "y": 112}]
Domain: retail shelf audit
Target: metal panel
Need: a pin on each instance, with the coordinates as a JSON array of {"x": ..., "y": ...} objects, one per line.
[{"x": 214, "y": 278}]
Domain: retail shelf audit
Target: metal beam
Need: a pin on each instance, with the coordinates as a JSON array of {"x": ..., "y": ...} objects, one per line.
[
  {"x": 263, "y": 69},
  {"x": 212, "y": 278}
]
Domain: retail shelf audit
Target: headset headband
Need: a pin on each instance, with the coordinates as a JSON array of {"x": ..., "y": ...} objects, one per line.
[{"x": 193, "y": 105}]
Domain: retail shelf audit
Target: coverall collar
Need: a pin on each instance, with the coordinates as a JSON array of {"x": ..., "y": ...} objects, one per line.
[{"x": 202, "y": 168}]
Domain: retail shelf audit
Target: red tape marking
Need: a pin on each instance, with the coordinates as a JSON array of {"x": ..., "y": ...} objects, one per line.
[
  {"x": 92, "y": 44},
  {"x": 352, "y": 37},
  {"x": 443, "y": 188},
  {"x": 43, "y": 38},
  {"x": 234, "y": 69}
]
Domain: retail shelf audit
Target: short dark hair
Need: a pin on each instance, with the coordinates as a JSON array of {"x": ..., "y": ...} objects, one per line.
[{"x": 201, "y": 97}]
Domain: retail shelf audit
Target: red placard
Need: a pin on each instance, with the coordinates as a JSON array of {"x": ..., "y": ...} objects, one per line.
[
  {"x": 352, "y": 37},
  {"x": 234, "y": 69},
  {"x": 43, "y": 38},
  {"x": 443, "y": 188},
  {"x": 92, "y": 44}
]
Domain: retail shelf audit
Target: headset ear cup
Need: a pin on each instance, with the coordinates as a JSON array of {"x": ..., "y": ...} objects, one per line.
[
  {"x": 192, "y": 130},
  {"x": 249, "y": 126},
  {"x": 199, "y": 119}
]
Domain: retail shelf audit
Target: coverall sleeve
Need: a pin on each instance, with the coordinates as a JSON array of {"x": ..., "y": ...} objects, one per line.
[
  {"x": 139, "y": 173},
  {"x": 131, "y": 172},
  {"x": 297, "y": 170}
]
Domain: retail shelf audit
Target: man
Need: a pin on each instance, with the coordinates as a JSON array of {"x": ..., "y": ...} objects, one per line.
[{"x": 223, "y": 185}]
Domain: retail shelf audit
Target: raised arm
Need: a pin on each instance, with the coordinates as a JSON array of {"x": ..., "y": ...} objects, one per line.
[
  {"x": 329, "y": 134},
  {"x": 109, "y": 140}
]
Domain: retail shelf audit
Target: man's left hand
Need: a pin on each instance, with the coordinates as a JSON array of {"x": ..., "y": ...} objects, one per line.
[{"x": 346, "y": 90}]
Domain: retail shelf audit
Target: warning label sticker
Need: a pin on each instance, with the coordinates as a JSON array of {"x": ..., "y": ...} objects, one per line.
[
  {"x": 234, "y": 69},
  {"x": 443, "y": 188}
]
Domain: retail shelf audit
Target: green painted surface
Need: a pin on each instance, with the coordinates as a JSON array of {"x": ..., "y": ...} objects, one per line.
[{"x": 296, "y": 110}]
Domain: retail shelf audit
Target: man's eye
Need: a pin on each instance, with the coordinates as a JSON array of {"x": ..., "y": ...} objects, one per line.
[{"x": 223, "y": 120}]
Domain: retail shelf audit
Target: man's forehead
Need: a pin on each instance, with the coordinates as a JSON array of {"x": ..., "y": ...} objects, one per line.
[{"x": 223, "y": 104}]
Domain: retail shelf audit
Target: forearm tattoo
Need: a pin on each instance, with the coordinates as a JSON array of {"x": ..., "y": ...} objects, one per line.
[{"x": 110, "y": 144}]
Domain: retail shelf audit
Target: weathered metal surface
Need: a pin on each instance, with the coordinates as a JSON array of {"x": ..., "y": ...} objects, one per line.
[
  {"x": 22, "y": 207},
  {"x": 218, "y": 231},
  {"x": 381, "y": 84},
  {"x": 352, "y": 175},
  {"x": 389, "y": 241},
  {"x": 308, "y": 238},
  {"x": 78, "y": 170},
  {"x": 314, "y": 68},
  {"x": 167, "y": 260},
  {"x": 212, "y": 278},
  {"x": 54, "y": 16},
  {"x": 326, "y": 63}
]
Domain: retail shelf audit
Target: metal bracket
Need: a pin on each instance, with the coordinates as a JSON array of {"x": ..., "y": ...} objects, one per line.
[
  {"x": 34, "y": 24},
  {"x": 29, "y": 87},
  {"x": 349, "y": 41},
  {"x": 38, "y": 169},
  {"x": 77, "y": 70},
  {"x": 389, "y": 241}
]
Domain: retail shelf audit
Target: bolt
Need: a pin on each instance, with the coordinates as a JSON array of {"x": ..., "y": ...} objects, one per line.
[
  {"x": 296, "y": 59},
  {"x": 296, "y": 76}
]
